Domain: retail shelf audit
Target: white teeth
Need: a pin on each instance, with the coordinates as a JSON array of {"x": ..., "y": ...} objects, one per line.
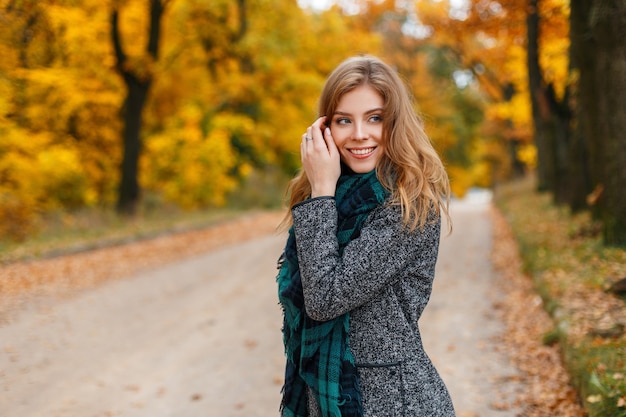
[{"x": 362, "y": 151}]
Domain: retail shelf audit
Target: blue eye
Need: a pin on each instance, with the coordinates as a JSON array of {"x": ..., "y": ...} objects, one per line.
[
  {"x": 376, "y": 119},
  {"x": 342, "y": 121}
]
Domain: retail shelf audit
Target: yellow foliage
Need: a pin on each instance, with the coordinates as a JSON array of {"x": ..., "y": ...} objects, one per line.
[
  {"x": 208, "y": 161},
  {"x": 527, "y": 153},
  {"x": 37, "y": 176},
  {"x": 133, "y": 20},
  {"x": 39, "y": 172},
  {"x": 63, "y": 182},
  {"x": 460, "y": 180},
  {"x": 6, "y": 95},
  {"x": 517, "y": 111},
  {"x": 554, "y": 60}
]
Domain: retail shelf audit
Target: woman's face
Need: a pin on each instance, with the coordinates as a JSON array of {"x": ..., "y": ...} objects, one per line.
[{"x": 357, "y": 128}]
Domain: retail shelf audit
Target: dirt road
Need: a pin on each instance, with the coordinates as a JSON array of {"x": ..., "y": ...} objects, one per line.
[
  {"x": 201, "y": 337},
  {"x": 460, "y": 327}
]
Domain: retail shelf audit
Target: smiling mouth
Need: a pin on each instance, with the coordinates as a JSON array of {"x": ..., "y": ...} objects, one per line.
[{"x": 362, "y": 151}]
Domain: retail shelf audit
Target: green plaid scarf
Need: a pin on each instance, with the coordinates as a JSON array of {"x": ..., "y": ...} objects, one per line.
[{"x": 318, "y": 355}]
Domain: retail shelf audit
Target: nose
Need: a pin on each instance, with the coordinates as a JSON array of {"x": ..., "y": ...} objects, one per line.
[{"x": 359, "y": 132}]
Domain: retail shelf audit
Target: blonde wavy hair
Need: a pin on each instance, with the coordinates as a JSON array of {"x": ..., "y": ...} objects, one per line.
[{"x": 409, "y": 166}]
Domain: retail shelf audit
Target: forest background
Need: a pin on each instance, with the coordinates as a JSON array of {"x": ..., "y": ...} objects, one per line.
[{"x": 139, "y": 104}]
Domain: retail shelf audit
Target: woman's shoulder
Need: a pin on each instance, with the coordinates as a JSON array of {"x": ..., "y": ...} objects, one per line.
[
  {"x": 391, "y": 214},
  {"x": 387, "y": 232}
]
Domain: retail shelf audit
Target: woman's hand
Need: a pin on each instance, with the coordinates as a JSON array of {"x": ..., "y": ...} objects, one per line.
[{"x": 320, "y": 159}]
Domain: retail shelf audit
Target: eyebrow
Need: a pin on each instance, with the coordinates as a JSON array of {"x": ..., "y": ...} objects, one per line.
[{"x": 342, "y": 113}]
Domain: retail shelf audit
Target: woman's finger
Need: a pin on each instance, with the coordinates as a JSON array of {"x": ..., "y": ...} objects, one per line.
[
  {"x": 306, "y": 137},
  {"x": 318, "y": 127},
  {"x": 330, "y": 142}
]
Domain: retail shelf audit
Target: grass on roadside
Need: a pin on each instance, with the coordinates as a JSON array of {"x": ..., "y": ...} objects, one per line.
[
  {"x": 572, "y": 271},
  {"x": 64, "y": 232},
  {"x": 69, "y": 232}
]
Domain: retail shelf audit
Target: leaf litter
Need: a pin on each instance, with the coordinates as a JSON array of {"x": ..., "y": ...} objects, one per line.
[
  {"x": 548, "y": 391},
  {"x": 64, "y": 275}
]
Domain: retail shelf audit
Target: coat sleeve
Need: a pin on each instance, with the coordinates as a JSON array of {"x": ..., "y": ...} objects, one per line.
[{"x": 335, "y": 284}]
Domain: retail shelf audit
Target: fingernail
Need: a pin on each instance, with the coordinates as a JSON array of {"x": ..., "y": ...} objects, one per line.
[{"x": 328, "y": 131}]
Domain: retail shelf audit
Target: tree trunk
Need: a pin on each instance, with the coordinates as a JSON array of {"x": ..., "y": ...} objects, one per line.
[
  {"x": 551, "y": 119},
  {"x": 540, "y": 108},
  {"x": 137, "y": 88},
  {"x": 608, "y": 25},
  {"x": 128, "y": 193},
  {"x": 599, "y": 53},
  {"x": 585, "y": 166},
  {"x": 518, "y": 168},
  {"x": 560, "y": 132}
]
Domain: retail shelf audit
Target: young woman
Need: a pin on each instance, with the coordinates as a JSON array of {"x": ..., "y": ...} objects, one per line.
[{"x": 359, "y": 262}]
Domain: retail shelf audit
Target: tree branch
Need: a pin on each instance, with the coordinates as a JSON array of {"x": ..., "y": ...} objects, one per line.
[
  {"x": 120, "y": 56},
  {"x": 157, "y": 8}
]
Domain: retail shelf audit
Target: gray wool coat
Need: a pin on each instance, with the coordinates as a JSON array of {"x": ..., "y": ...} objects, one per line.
[{"x": 384, "y": 279}]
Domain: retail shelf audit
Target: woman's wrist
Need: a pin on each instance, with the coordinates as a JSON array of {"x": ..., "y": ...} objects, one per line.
[{"x": 323, "y": 192}]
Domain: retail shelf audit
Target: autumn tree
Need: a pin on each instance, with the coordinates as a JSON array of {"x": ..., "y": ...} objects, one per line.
[
  {"x": 51, "y": 98},
  {"x": 138, "y": 77},
  {"x": 579, "y": 130},
  {"x": 551, "y": 113},
  {"x": 484, "y": 41}
]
